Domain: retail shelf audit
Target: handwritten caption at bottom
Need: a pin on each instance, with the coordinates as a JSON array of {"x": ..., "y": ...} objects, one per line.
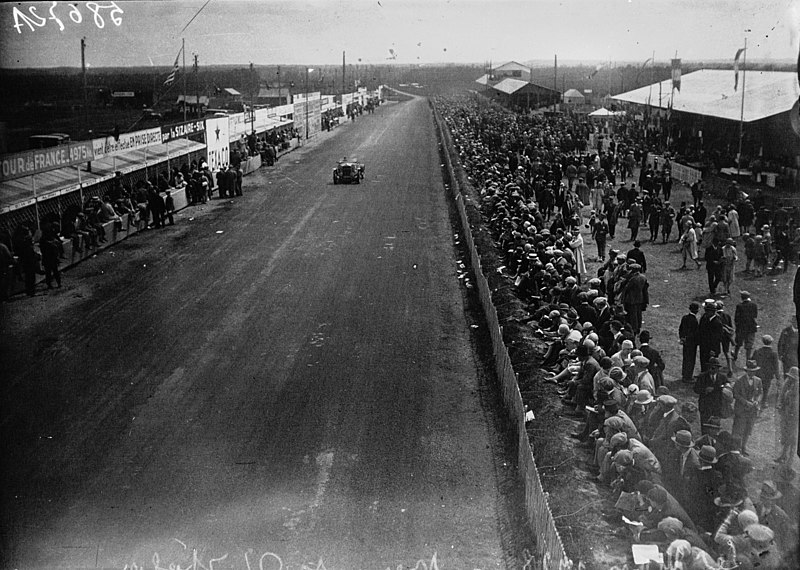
[{"x": 251, "y": 560}]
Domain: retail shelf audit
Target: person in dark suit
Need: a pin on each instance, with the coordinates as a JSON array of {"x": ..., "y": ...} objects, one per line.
[
  {"x": 745, "y": 320},
  {"x": 713, "y": 258},
  {"x": 709, "y": 387},
  {"x": 689, "y": 338},
  {"x": 638, "y": 255},
  {"x": 656, "y": 366},
  {"x": 710, "y": 333},
  {"x": 635, "y": 297}
]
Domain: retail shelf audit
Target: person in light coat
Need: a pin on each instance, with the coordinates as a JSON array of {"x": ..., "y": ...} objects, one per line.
[
  {"x": 688, "y": 243},
  {"x": 576, "y": 245},
  {"x": 733, "y": 223}
]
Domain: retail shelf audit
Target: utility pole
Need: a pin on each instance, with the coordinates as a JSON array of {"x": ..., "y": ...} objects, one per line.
[
  {"x": 253, "y": 87},
  {"x": 344, "y": 74},
  {"x": 85, "y": 97},
  {"x": 185, "y": 96},
  {"x": 279, "y": 86},
  {"x": 197, "y": 84},
  {"x": 555, "y": 77},
  {"x": 741, "y": 115}
]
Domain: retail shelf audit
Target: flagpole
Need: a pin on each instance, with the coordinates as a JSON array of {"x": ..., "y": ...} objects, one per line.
[
  {"x": 183, "y": 53},
  {"x": 741, "y": 116}
]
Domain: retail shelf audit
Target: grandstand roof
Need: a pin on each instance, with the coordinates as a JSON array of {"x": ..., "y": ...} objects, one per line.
[
  {"x": 710, "y": 92},
  {"x": 509, "y": 85}
]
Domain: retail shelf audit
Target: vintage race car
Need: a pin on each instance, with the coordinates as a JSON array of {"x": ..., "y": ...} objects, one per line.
[{"x": 348, "y": 171}]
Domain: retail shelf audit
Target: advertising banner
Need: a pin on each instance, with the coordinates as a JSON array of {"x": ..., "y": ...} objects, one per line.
[
  {"x": 182, "y": 130},
  {"x": 218, "y": 148},
  {"x": 32, "y": 162},
  {"x": 108, "y": 146}
]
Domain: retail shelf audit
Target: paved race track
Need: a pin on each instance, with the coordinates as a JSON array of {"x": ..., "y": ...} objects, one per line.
[{"x": 287, "y": 373}]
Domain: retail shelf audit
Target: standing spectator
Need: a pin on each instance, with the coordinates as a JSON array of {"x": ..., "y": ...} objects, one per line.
[
  {"x": 667, "y": 221},
  {"x": 774, "y": 517},
  {"x": 710, "y": 333},
  {"x": 713, "y": 266},
  {"x": 6, "y": 270},
  {"x": 600, "y": 233},
  {"x": 788, "y": 410},
  {"x": 729, "y": 259},
  {"x": 760, "y": 256},
  {"x": 656, "y": 363},
  {"x": 634, "y": 219},
  {"x": 747, "y": 393},
  {"x": 169, "y": 208},
  {"x": 749, "y": 250},
  {"x": 733, "y": 223},
  {"x": 727, "y": 332},
  {"x": 767, "y": 359},
  {"x": 156, "y": 204},
  {"x": 576, "y": 245},
  {"x": 787, "y": 344},
  {"x": 744, "y": 318},
  {"x": 22, "y": 243},
  {"x": 635, "y": 297},
  {"x": 637, "y": 255},
  {"x": 688, "y": 335},
  {"x": 239, "y": 177},
  {"x": 709, "y": 385},
  {"x": 688, "y": 243},
  {"x": 52, "y": 250}
]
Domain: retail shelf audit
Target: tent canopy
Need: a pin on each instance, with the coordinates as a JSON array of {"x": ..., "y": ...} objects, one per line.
[{"x": 710, "y": 92}]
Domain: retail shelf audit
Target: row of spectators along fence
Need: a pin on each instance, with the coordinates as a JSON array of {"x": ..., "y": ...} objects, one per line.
[{"x": 550, "y": 549}]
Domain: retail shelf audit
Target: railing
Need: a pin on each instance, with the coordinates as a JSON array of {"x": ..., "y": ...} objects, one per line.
[{"x": 550, "y": 549}]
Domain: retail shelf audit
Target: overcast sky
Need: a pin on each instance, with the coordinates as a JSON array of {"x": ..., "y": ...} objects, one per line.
[{"x": 269, "y": 32}]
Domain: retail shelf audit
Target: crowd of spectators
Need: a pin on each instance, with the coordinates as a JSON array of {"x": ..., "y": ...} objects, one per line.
[{"x": 684, "y": 488}]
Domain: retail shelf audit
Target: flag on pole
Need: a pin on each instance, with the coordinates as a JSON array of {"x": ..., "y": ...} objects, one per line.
[
  {"x": 676, "y": 74},
  {"x": 171, "y": 77},
  {"x": 739, "y": 52}
]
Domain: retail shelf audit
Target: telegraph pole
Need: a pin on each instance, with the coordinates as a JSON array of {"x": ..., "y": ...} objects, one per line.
[
  {"x": 197, "y": 84},
  {"x": 85, "y": 97},
  {"x": 185, "y": 96},
  {"x": 344, "y": 74}
]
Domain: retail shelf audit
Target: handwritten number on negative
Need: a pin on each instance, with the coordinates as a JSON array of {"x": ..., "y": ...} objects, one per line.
[{"x": 32, "y": 19}]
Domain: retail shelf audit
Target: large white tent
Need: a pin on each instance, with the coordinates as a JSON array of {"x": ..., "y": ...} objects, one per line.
[{"x": 711, "y": 92}]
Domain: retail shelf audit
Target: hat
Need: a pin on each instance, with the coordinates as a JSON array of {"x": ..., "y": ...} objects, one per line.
[
  {"x": 570, "y": 280},
  {"x": 657, "y": 494},
  {"x": 729, "y": 241},
  {"x": 713, "y": 422},
  {"x": 623, "y": 457},
  {"x": 633, "y": 389},
  {"x": 709, "y": 304},
  {"x": 643, "y": 397},
  {"x": 642, "y": 361},
  {"x": 752, "y": 366},
  {"x": 627, "y": 344},
  {"x": 708, "y": 454},
  {"x": 688, "y": 408},
  {"x": 714, "y": 361},
  {"x": 563, "y": 329},
  {"x": 611, "y": 405},
  {"x": 668, "y": 400},
  {"x": 670, "y": 525},
  {"x": 760, "y": 534},
  {"x": 770, "y": 491},
  {"x": 618, "y": 439},
  {"x": 683, "y": 438},
  {"x": 745, "y": 294},
  {"x": 587, "y": 326},
  {"x": 746, "y": 517},
  {"x": 729, "y": 498},
  {"x": 793, "y": 373},
  {"x": 616, "y": 373},
  {"x": 767, "y": 339},
  {"x": 607, "y": 384}
]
